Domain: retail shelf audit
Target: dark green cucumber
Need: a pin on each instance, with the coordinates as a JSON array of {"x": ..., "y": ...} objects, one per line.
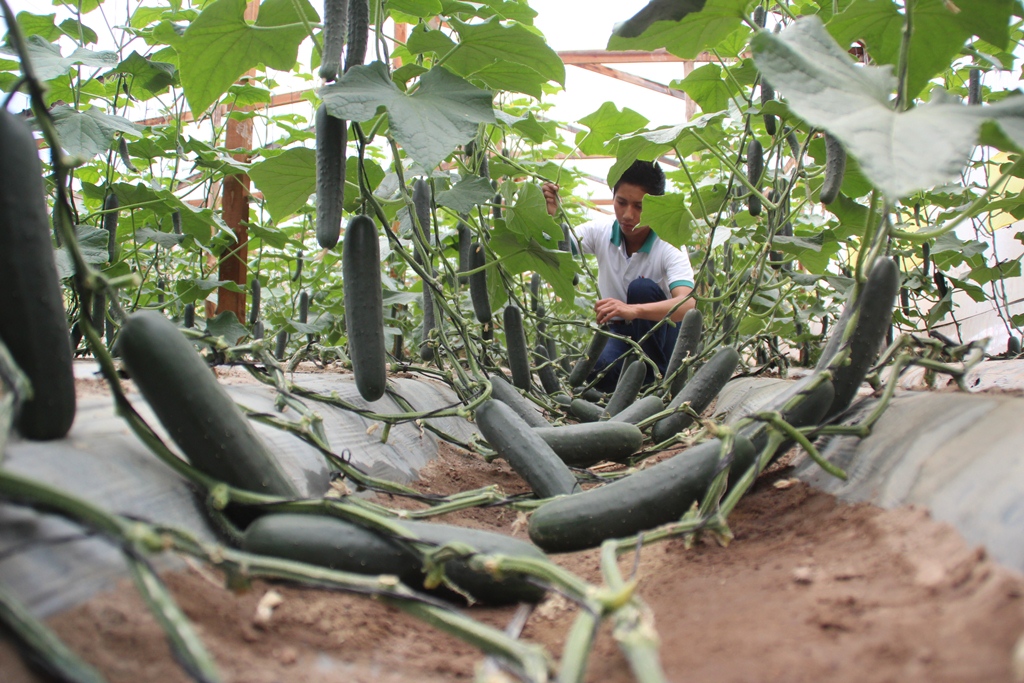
[
  {"x": 640, "y": 410},
  {"x": 429, "y": 322},
  {"x": 344, "y": 546},
  {"x": 304, "y": 307},
  {"x": 496, "y": 207},
  {"x": 546, "y": 371},
  {"x": 189, "y": 316},
  {"x": 465, "y": 245},
  {"x": 126, "y": 159},
  {"x": 583, "y": 445},
  {"x": 835, "y": 169},
  {"x": 99, "y": 311},
  {"x": 587, "y": 411},
  {"x": 593, "y": 395},
  {"x": 515, "y": 343},
  {"x": 767, "y": 95},
  {"x": 534, "y": 291},
  {"x": 176, "y": 222},
  {"x": 690, "y": 330},
  {"x": 974, "y": 87},
  {"x": 641, "y": 501},
  {"x": 421, "y": 217},
  {"x": 630, "y": 382},
  {"x": 33, "y": 323},
  {"x": 281, "y": 345},
  {"x": 195, "y": 410},
  {"x": 699, "y": 392},
  {"x": 502, "y": 391},
  {"x": 793, "y": 142},
  {"x": 358, "y": 32},
  {"x": 334, "y": 33},
  {"x": 331, "y": 142},
  {"x": 257, "y": 330},
  {"x": 586, "y": 364},
  {"x": 755, "y": 168},
  {"x": 478, "y": 283},
  {"x": 110, "y": 215},
  {"x": 298, "y": 266},
  {"x": 1013, "y": 346},
  {"x": 808, "y": 412},
  {"x": 524, "y": 450},
  {"x": 759, "y": 16},
  {"x": 364, "y": 307},
  {"x": 254, "y": 308}
]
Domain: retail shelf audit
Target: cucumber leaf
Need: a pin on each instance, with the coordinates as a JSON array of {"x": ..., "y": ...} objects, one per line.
[{"x": 286, "y": 181}]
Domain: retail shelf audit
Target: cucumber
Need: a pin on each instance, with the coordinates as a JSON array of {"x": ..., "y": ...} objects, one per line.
[
  {"x": 534, "y": 291},
  {"x": 809, "y": 412},
  {"x": 429, "y": 322},
  {"x": 334, "y": 34},
  {"x": 524, "y": 450},
  {"x": 195, "y": 410},
  {"x": 33, "y": 323},
  {"x": 630, "y": 382},
  {"x": 690, "y": 330},
  {"x": 110, "y": 216},
  {"x": 496, "y": 207},
  {"x": 331, "y": 142},
  {"x": 254, "y": 309},
  {"x": 794, "y": 144},
  {"x": 767, "y": 95},
  {"x": 478, "y": 284},
  {"x": 281, "y": 345},
  {"x": 640, "y": 410},
  {"x": 759, "y": 16},
  {"x": 465, "y": 245},
  {"x": 344, "y": 546},
  {"x": 298, "y": 266},
  {"x": 585, "y": 365},
  {"x": 502, "y": 391},
  {"x": 974, "y": 87},
  {"x": 421, "y": 219},
  {"x": 108, "y": 325},
  {"x": 257, "y": 330},
  {"x": 358, "y": 32},
  {"x": 545, "y": 371},
  {"x": 189, "y": 316},
  {"x": 1013, "y": 346},
  {"x": 835, "y": 170},
  {"x": 641, "y": 501},
  {"x": 699, "y": 392},
  {"x": 122, "y": 151},
  {"x": 304, "y": 307},
  {"x": 583, "y": 445},
  {"x": 176, "y": 222},
  {"x": 99, "y": 311},
  {"x": 755, "y": 167},
  {"x": 364, "y": 307},
  {"x": 593, "y": 395},
  {"x": 926, "y": 258},
  {"x": 587, "y": 411},
  {"x": 515, "y": 342}
]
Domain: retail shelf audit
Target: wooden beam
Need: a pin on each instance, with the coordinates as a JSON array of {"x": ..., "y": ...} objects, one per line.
[
  {"x": 634, "y": 80},
  {"x": 577, "y": 57}
]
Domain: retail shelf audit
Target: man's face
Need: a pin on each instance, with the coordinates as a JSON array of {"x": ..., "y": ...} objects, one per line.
[{"x": 628, "y": 202}]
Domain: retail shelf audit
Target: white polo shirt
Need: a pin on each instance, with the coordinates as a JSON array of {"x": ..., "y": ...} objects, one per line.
[{"x": 656, "y": 260}]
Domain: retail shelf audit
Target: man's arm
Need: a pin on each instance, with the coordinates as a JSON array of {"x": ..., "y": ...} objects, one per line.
[{"x": 607, "y": 309}]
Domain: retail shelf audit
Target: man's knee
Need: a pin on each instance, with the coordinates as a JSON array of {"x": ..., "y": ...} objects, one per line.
[{"x": 644, "y": 291}]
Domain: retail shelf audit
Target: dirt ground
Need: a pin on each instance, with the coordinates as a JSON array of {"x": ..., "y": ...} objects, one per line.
[{"x": 811, "y": 589}]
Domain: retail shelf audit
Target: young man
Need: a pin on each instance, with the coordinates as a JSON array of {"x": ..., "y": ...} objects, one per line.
[{"x": 640, "y": 277}]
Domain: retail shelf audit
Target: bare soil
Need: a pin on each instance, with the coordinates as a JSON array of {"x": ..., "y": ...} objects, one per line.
[{"x": 811, "y": 589}]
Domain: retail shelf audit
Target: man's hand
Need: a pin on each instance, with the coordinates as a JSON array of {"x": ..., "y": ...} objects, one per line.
[
  {"x": 607, "y": 309},
  {"x": 550, "y": 191}
]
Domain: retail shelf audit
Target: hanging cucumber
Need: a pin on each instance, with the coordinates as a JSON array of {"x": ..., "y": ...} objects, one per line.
[
  {"x": 974, "y": 87},
  {"x": 545, "y": 371},
  {"x": 502, "y": 391},
  {"x": 298, "y": 266},
  {"x": 189, "y": 316},
  {"x": 835, "y": 169},
  {"x": 331, "y": 142},
  {"x": 195, "y": 410},
  {"x": 429, "y": 322},
  {"x": 465, "y": 247},
  {"x": 122, "y": 151},
  {"x": 759, "y": 16},
  {"x": 583, "y": 445},
  {"x": 587, "y": 411},
  {"x": 699, "y": 392},
  {"x": 176, "y": 222},
  {"x": 254, "y": 308},
  {"x": 304, "y": 307},
  {"x": 755, "y": 167},
  {"x": 334, "y": 34},
  {"x": 1013, "y": 346},
  {"x": 515, "y": 342},
  {"x": 534, "y": 291},
  {"x": 421, "y": 217},
  {"x": 257, "y": 330},
  {"x": 630, "y": 381},
  {"x": 33, "y": 323},
  {"x": 640, "y": 410},
  {"x": 281, "y": 345},
  {"x": 586, "y": 364},
  {"x": 524, "y": 450},
  {"x": 364, "y": 307},
  {"x": 358, "y": 32},
  {"x": 690, "y": 330},
  {"x": 767, "y": 95},
  {"x": 478, "y": 283},
  {"x": 110, "y": 216}
]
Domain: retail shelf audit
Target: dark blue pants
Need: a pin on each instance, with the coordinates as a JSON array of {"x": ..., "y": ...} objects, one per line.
[{"x": 658, "y": 346}]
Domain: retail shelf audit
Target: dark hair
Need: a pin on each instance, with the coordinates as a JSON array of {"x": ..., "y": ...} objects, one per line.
[{"x": 645, "y": 174}]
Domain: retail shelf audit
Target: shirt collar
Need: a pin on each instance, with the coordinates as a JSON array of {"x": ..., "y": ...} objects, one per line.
[{"x": 616, "y": 238}]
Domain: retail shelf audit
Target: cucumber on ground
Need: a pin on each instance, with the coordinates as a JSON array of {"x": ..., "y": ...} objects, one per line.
[
  {"x": 331, "y": 141},
  {"x": 358, "y": 32},
  {"x": 478, "y": 283},
  {"x": 974, "y": 87},
  {"x": 641, "y": 501},
  {"x": 343, "y": 546},
  {"x": 110, "y": 215},
  {"x": 515, "y": 343},
  {"x": 586, "y": 364},
  {"x": 194, "y": 409},
  {"x": 583, "y": 445},
  {"x": 334, "y": 34},
  {"x": 630, "y": 382},
  {"x": 525, "y": 451},
  {"x": 421, "y": 218},
  {"x": 465, "y": 245},
  {"x": 254, "y": 308},
  {"x": 699, "y": 392},
  {"x": 690, "y": 330},
  {"x": 755, "y": 167},
  {"x": 534, "y": 291},
  {"x": 545, "y": 371},
  {"x": 364, "y": 307},
  {"x": 808, "y": 412},
  {"x": 587, "y": 411},
  {"x": 33, "y": 323},
  {"x": 502, "y": 391},
  {"x": 835, "y": 169},
  {"x": 640, "y": 410},
  {"x": 593, "y": 395}
]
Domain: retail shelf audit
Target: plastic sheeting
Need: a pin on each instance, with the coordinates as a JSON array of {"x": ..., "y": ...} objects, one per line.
[{"x": 49, "y": 565}]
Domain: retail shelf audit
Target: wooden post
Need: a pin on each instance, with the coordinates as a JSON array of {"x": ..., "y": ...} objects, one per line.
[{"x": 235, "y": 210}]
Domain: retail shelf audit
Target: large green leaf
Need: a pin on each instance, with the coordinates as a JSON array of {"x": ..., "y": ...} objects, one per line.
[
  {"x": 219, "y": 46},
  {"x": 649, "y": 145},
  {"x": 606, "y": 123},
  {"x": 191, "y": 289},
  {"x": 708, "y": 87},
  {"x": 92, "y": 242},
  {"x": 38, "y": 25},
  {"x": 286, "y": 181},
  {"x": 670, "y": 218},
  {"x": 226, "y": 326},
  {"x": 88, "y": 133},
  {"x": 899, "y": 152},
  {"x": 695, "y": 33},
  {"x": 150, "y": 78},
  {"x": 48, "y": 63},
  {"x": 415, "y": 8},
  {"x": 814, "y": 251},
  {"x": 483, "y": 44},
  {"x": 441, "y": 114},
  {"x": 466, "y": 195}
]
